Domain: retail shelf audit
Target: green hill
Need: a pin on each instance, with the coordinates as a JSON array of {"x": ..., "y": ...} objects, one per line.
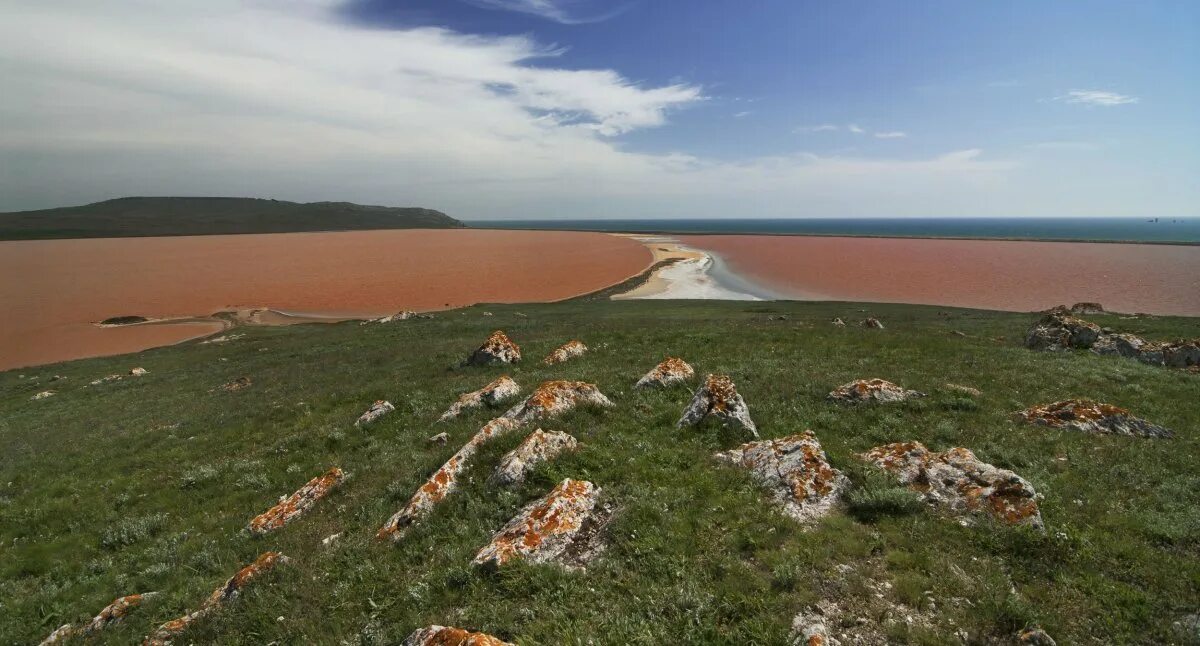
[
  {"x": 147, "y": 483},
  {"x": 187, "y": 216}
]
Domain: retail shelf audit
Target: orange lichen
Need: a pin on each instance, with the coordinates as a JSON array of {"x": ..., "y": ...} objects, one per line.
[
  {"x": 1091, "y": 417},
  {"x": 568, "y": 350},
  {"x": 670, "y": 370},
  {"x": 445, "y": 636},
  {"x": 297, "y": 503},
  {"x": 495, "y": 392},
  {"x": 111, "y": 614},
  {"x": 796, "y": 472},
  {"x": 498, "y": 348},
  {"x": 880, "y": 390},
  {"x": 556, "y": 397},
  {"x": 544, "y": 530}
]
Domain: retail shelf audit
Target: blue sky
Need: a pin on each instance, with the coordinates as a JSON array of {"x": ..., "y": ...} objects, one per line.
[{"x": 646, "y": 108}]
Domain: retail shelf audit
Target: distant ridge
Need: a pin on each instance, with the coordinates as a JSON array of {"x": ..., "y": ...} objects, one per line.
[{"x": 128, "y": 217}]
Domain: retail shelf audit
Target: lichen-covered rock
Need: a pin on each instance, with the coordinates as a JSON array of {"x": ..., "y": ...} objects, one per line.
[
  {"x": 872, "y": 323},
  {"x": 490, "y": 395},
  {"x": 956, "y": 481},
  {"x": 569, "y": 350},
  {"x": 1034, "y": 637},
  {"x": 444, "y": 636},
  {"x": 111, "y": 614},
  {"x": 671, "y": 370},
  {"x": 440, "y": 439},
  {"x": 1087, "y": 308},
  {"x": 402, "y": 315},
  {"x": 872, "y": 390},
  {"x": 1059, "y": 331},
  {"x": 498, "y": 348},
  {"x": 443, "y": 481},
  {"x": 554, "y": 398},
  {"x": 561, "y": 528},
  {"x": 221, "y": 596},
  {"x": 378, "y": 409},
  {"x": 718, "y": 397},
  {"x": 293, "y": 506},
  {"x": 138, "y": 372},
  {"x": 1181, "y": 354},
  {"x": 838, "y": 322},
  {"x": 1087, "y": 416},
  {"x": 1125, "y": 345},
  {"x": 795, "y": 471},
  {"x": 43, "y": 395},
  {"x": 538, "y": 447},
  {"x": 810, "y": 629}
]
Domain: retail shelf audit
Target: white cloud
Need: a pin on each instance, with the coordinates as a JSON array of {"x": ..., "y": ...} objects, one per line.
[
  {"x": 855, "y": 129},
  {"x": 557, "y": 10},
  {"x": 894, "y": 134},
  {"x": 825, "y": 127},
  {"x": 1096, "y": 97},
  {"x": 744, "y": 113}
]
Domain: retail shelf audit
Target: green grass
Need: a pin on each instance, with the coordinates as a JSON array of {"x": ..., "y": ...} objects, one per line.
[{"x": 147, "y": 483}]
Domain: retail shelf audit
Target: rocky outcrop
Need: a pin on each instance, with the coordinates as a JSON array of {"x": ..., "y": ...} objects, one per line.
[
  {"x": 872, "y": 323},
  {"x": 217, "y": 600},
  {"x": 444, "y": 636},
  {"x": 490, "y": 395},
  {"x": 1060, "y": 331},
  {"x": 497, "y": 349},
  {"x": 293, "y": 506},
  {"x": 1087, "y": 308},
  {"x": 561, "y": 528},
  {"x": 872, "y": 390},
  {"x": 719, "y": 398},
  {"x": 959, "y": 483},
  {"x": 225, "y": 338},
  {"x": 554, "y": 398},
  {"x": 1057, "y": 330},
  {"x": 566, "y": 351},
  {"x": 443, "y": 481},
  {"x": 671, "y": 370},
  {"x": 380, "y": 408},
  {"x": 1087, "y": 416},
  {"x": 537, "y": 448},
  {"x": 811, "y": 629},
  {"x": 795, "y": 471},
  {"x": 402, "y": 315},
  {"x": 111, "y": 614}
]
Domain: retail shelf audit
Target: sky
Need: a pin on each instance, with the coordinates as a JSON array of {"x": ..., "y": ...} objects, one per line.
[{"x": 559, "y": 109}]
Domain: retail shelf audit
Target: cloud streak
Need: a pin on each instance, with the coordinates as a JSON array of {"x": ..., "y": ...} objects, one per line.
[
  {"x": 1096, "y": 98},
  {"x": 560, "y": 11}
]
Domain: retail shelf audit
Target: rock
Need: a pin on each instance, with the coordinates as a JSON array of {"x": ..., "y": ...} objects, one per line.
[
  {"x": 402, "y": 315},
  {"x": 561, "y": 528},
  {"x": 226, "y": 338},
  {"x": 106, "y": 380},
  {"x": 795, "y": 471},
  {"x": 718, "y": 397},
  {"x": 1187, "y": 628},
  {"x": 491, "y": 395},
  {"x": 443, "y": 481},
  {"x": 876, "y": 390},
  {"x": 138, "y": 372},
  {"x": 872, "y": 322},
  {"x": 671, "y": 370},
  {"x": 293, "y": 506},
  {"x": 443, "y": 636},
  {"x": 1059, "y": 331},
  {"x": 811, "y": 629},
  {"x": 1087, "y": 308},
  {"x": 498, "y": 348},
  {"x": 237, "y": 384},
  {"x": 554, "y": 398},
  {"x": 111, "y": 614},
  {"x": 1034, "y": 637},
  {"x": 378, "y": 409},
  {"x": 838, "y": 322},
  {"x": 1181, "y": 354},
  {"x": 43, "y": 395},
  {"x": 778, "y": 317},
  {"x": 955, "y": 480},
  {"x": 218, "y": 599},
  {"x": 538, "y": 447},
  {"x": 1087, "y": 416},
  {"x": 440, "y": 439},
  {"x": 569, "y": 350},
  {"x": 1125, "y": 345},
  {"x": 966, "y": 390},
  {"x": 331, "y": 539}
]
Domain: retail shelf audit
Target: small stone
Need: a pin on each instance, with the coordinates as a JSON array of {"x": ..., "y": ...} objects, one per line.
[
  {"x": 671, "y": 370},
  {"x": 138, "y": 372},
  {"x": 331, "y": 539},
  {"x": 838, "y": 322},
  {"x": 443, "y": 636},
  {"x": 872, "y": 323},
  {"x": 718, "y": 397},
  {"x": 378, "y": 409},
  {"x": 237, "y": 384},
  {"x": 566, "y": 351},
  {"x": 497, "y": 349},
  {"x": 1087, "y": 416},
  {"x": 492, "y": 394},
  {"x": 554, "y": 398},
  {"x": 440, "y": 439},
  {"x": 561, "y": 528},
  {"x": 795, "y": 471},
  {"x": 1034, "y": 637},
  {"x": 296, "y": 504},
  {"x": 43, "y": 395},
  {"x": 538, "y": 447},
  {"x": 872, "y": 390}
]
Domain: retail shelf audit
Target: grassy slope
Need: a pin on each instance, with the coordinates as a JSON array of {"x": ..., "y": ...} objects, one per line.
[
  {"x": 182, "y": 216},
  {"x": 100, "y": 496}
]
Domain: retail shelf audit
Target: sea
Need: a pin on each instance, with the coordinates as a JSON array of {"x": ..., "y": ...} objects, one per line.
[{"x": 1144, "y": 229}]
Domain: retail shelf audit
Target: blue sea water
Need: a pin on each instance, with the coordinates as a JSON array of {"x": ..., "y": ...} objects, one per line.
[{"x": 1147, "y": 229}]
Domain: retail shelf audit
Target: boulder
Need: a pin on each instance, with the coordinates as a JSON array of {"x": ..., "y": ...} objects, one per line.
[
  {"x": 138, "y": 372},
  {"x": 1087, "y": 416},
  {"x": 718, "y": 397},
  {"x": 43, "y": 395},
  {"x": 959, "y": 483},
  {"x": 492, "y": 394},
  {"x": 538, "y": 447},
  {"x": 872, "y": 322},
  {"x": 795, "y": 471},
  {"x": 1034, "y": 637},
  {"x": 111, "y": 614},
  {"x": 554, "y": 398},
  {"x": 444, "y": 636},
  {"x": 561, "y": 528},
  {"x": 1181, "y": 354},
  {"x": 1059, "y": 331},
  {"x": 218, "y": 599},
  {"x": 671, "y": 370},
  {"x": 291, "y": 507},
  {"x": 443, "y": 481},
  {"x": 872, "y": 390},
  {"x": 838, "y": 322},
  {"x": 568, "y": 350},
  {"x": 1124, "y": 345},
  {"x": 497, "y": 349},
  {"x": 811, "y": 629},
  {"x": 378, "y": 409}
]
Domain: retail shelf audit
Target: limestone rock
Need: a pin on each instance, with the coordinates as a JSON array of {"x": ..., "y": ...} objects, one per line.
[
  {"x": 106, "y": 380},
  {"x": 1034, "y": 637},
  {"x": 561, "y": 528},
  {"x": 811, "y": 629},
  {"x": 554, "y": 398},
  {"x": 838, "y": 322},
  {"x": 111, "y": 614},
  {"x": 1087, "y": 416},
  {"x": 218, "y": 599},
  {"x": 440, "y": 439},
  {"x": 490, "y": 395},
  {"x": 872, "y": 390},
  {"x": 1059, "y": 331},
  {"x": 795, "y": 471},
  {"x": 43, "y": 395},
  {"x": 671, "y": 370},
  {"x": 378, "y": 409},
  {"x": 718, "y": 397},
  {"x": 568, "y": 350},
  {"x": 955, "y": 480},
  {"x": 538, "y": 447},
  {"x": 872, "y": 322},
  {"x": 138, "y": 372},
  {"x": 444, "y": 636},
  {"x": 966, "y": 390},
  {"x": 498, "y": 348},
  {"x": 443, "y": 481},
  {"x": 402, "y": 315},
  {"x": 1181, "y": 354},
  {"x": 1125, "y": 345},
  {"x": 293, "y": 506}
]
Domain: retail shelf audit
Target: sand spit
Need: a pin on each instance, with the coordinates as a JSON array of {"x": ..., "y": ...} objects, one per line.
[{"x": 691, "y": 273}]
